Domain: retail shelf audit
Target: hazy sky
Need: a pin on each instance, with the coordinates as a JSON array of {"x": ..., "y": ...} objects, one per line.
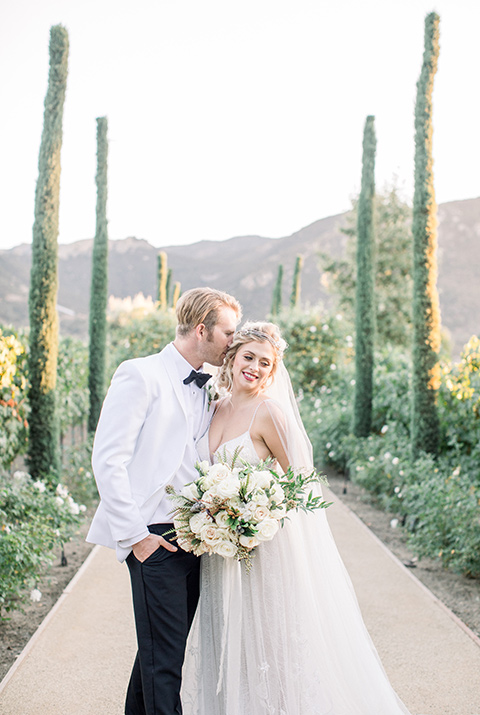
[{"x": 231, "y": 117}]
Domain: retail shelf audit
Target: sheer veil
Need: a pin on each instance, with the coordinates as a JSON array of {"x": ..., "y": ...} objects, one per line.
[{"x": 288, "y": 422}]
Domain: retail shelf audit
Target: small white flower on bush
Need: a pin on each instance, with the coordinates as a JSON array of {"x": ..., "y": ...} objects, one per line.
[
  {"x": 384, "y": 429},
  {"x": 401, "y": 472},
  {"x": 325, "y": 328},
  {"x": 371, "y": 459},
  {"x": 39, "y": 485},
  {"x": 387, "y": 455},
  {"x": 315, "y": 360},
  {"x": 456, "y": 472},
  {"x": 73, "y": 506},
  {"x": 395, "y": 461},
  {"x": 333, "y": 366},
  {"x": 59, "y": 501},
  {"x": 353, "y": 382},
  {"x": 331, "y": 454},
  {"x": 20, "y": 475},
  {"x": 396, "y": 490},
  {"x": 82, "y": 508},
  {"x": 61, "y": 491},
  {"x": 359, "y": 468},
  {"x": 317, "y": 403},
  {"x": 6, "y": 529},
  {"x": 313, "y": 328},
  {"x": 328, "y": 445},
  {"x": 88, "y": 475},
  {"x": 339, "y": 316},
  {"x": 394, "y": 523},
  {"x": 35, "y": 595}
]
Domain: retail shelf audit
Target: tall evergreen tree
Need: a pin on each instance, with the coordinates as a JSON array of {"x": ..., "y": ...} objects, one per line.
[
  {"x": 296, "y": 283},
  {"x": 162, "y": 280},
  {"x": 365, "y": 302},
  {"x": 43, "y": 449},
  {"x": 277, "y": 292},
  {"x": 168, "y": 288},
  {"x": 99, "y": 286},
  {"x": 176, "y": 293},
  {"x": 426, "y": 310},
  {"x": 393, "y": 269}
]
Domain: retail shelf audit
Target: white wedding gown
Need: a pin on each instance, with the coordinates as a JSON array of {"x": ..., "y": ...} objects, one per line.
[{"x": 287, "y": 638}]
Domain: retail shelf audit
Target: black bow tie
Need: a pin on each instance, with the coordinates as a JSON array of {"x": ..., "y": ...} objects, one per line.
[{"x": 200, "y": 378}]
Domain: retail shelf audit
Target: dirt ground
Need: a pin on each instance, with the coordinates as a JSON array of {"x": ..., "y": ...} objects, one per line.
[{"x": 460, "y": 594}]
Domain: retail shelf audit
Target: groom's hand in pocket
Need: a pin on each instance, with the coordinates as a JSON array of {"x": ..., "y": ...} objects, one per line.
[{"x": 144, "y": 548}]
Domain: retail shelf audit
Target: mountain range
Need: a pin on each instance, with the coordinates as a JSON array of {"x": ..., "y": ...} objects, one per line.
[{"x": 246, "y": 266}]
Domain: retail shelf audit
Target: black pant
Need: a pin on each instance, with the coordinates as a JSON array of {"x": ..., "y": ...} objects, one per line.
[{"x": 165, "y": 589}]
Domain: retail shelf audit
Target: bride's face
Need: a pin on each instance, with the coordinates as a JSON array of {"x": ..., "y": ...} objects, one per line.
[{"x": 253, "y": 365}]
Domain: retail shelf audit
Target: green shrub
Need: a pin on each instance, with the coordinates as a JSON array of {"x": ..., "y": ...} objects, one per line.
[
  {"x": 13, "y": 403},
  {"x": 34, "y": 520}
]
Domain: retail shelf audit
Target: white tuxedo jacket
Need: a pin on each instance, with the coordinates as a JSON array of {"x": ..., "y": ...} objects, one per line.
[{"x": 139, "y": 445}]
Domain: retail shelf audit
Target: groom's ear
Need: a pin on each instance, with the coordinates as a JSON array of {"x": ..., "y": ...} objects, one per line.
[{"x": 200, "y": 331}]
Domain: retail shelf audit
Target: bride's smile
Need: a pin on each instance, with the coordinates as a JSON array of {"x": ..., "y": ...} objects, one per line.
[{"x": 252, "y": 366}]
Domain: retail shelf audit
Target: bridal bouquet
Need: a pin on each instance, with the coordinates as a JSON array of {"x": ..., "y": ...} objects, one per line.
[{"x": 231, "y": 510}]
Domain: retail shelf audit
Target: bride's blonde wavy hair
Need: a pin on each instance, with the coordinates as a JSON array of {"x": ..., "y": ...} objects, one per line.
[{"x": 260, "y": 332}]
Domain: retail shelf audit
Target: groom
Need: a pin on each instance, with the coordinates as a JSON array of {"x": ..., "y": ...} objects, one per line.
[{"x": 154, "y": 412}]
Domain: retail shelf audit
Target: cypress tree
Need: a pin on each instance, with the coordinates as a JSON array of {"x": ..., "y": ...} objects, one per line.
[
  {"x": 169, "y": 284},
  {"x": 277, "y": 292},
  {"x": 296, "y": 284},
  {"x": 365, "y": 303},
  {"x": 43, "y": 449},
  {"x": 162, "y": 280},
  {"x": 426, "y": 311},
  {"x": 176, "y": 293},
  {"x": 99, "y": 286}
]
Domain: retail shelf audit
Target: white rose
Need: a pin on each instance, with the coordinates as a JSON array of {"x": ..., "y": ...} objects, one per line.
[
  {"x": 39, "y": 485},
  {"x": 210, "y": 494},
  {"x": 261, "y": 479},
  {"x": 197, "y": 521},
  {"x": 277, "y": 493},
  {"x": 209, "y": 533},
  {"x": 249, "y": 541},
  {"x": 225, "y": 549},
  {"x": 190, "y": 491},
  {"x": 267, "y": 529},
  {"x": 260, "y": 498},
  {"x": 221, "y": 518},
  {"x": 217, "y": 473},
  {"x": 203, "y": 467},
  {"x": 228, "y": 487},
  {"x": 261, "y": 513}
]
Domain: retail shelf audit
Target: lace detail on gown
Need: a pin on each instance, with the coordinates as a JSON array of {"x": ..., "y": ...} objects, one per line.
[{"x": 288, "y": 637}]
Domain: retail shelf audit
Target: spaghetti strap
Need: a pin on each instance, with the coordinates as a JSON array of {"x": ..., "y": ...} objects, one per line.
[{"x": 254, "y": 414}]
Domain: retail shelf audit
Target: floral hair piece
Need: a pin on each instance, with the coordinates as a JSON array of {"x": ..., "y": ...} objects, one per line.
[{"x": 279, "y": 346}]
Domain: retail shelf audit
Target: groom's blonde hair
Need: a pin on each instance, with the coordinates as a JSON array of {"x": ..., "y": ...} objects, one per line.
[{"x": 201, "y": 306}]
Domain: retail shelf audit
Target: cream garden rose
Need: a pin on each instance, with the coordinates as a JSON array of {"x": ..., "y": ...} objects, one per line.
[{"x": 267, "y": 529}]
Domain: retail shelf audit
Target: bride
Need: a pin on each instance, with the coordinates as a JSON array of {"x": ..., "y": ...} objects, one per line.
[{"x": 287, "y": 638}]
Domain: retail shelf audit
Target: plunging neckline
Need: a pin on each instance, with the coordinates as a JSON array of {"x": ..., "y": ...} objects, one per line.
[{"x": 233, "y": 439}]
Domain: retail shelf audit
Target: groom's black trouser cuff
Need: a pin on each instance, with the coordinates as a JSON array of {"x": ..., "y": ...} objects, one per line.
[{"x": 165, "y": 589}]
